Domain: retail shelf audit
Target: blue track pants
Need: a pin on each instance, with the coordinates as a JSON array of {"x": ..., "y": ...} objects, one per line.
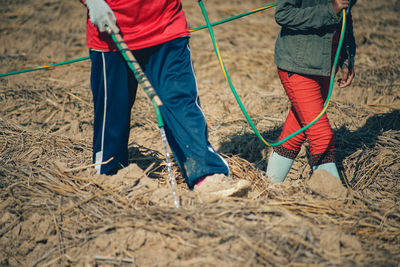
[{"x": 169, "y": 69}]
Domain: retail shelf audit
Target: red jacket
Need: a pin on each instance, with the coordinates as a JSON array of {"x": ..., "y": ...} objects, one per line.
[{"x": 143, "y": 23}]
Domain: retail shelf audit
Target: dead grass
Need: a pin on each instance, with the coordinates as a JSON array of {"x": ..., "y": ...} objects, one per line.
[{"x": 55, "y": 211}]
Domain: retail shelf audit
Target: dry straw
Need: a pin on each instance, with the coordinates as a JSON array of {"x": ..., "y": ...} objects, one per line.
[
  {"x": 54, "y": 211},
  {"x": 275, "y": 225}
]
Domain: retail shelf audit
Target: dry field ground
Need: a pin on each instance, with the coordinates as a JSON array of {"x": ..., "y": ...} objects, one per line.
[{"x": 54, "y": 211}]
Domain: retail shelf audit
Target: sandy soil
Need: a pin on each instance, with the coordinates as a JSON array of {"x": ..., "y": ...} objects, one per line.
[{"x": 55, "y": 211}]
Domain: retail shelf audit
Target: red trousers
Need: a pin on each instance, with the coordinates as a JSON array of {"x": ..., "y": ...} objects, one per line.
[{"x": 307, "y": 95}]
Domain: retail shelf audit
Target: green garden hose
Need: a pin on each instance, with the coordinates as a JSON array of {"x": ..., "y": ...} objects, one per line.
[{"x": 43, "y": 67}]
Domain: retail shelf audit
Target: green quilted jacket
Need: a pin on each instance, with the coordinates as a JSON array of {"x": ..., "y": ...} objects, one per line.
[{"x": 304, "y": 44}]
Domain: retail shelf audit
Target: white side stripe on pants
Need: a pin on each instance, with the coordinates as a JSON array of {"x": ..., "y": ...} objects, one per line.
[{"x": 99, "y": 154}]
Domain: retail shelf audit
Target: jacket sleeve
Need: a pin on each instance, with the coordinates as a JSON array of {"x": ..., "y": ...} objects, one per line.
[
  {"x": 348, "y": 50},
  {"x": 290, "y": 14}
]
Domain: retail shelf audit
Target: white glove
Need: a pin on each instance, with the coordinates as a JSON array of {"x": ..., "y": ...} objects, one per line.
[{"x": 100, "y": 14}]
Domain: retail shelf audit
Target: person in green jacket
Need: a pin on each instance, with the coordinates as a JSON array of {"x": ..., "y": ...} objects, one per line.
[{"x": 304, "y": 54}]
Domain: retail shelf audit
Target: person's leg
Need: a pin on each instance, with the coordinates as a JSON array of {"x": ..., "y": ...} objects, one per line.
[
  {"x": 329, "y": 167},
  {"x": 282, "y": 157},
  {"x": 292, "y": 122},
  {"x": 307, "y": 95},
  {"x": 308, "y": 98},
  {"x": 171, "y": 73},
  {"x": 114, "y": 90},
  {"x": 325, "y": 160},
  {"x": 278, "y": 167}
]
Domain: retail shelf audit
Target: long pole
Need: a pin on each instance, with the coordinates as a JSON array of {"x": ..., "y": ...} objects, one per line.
[{"x": 151, "y": 93}]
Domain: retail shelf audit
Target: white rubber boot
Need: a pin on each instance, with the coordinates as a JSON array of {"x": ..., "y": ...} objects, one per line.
[
  {"x": 278, "y": 167},
  {"x": 330, "y": 167}
]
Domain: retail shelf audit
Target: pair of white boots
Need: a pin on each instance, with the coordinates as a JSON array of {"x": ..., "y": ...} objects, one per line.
[{"x": 278, "y": 167}]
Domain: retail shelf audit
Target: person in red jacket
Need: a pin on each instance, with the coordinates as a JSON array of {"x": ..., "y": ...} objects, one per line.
[{"x": 156, "y": 32}]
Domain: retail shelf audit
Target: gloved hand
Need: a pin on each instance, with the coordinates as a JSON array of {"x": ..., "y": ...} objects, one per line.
[{"x": 100, "y": 14}]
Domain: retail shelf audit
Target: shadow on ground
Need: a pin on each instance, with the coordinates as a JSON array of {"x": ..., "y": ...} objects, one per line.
[
  {"x": 150, "y": 161},
  {"x": 249, "y": 147}
]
